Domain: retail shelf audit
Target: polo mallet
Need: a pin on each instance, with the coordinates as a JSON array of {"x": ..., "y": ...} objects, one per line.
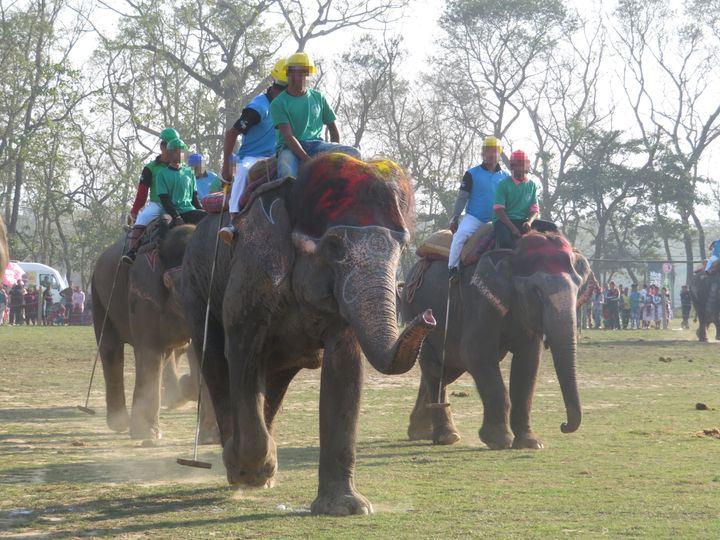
[
  {"x": 442, "y": 404},
  {"x": 194, "y": 461},
  {"x": 85, "y": 408}
]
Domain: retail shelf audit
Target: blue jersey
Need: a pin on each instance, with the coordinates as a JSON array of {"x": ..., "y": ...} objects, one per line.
[
  {"x": 482, "y": 184},
  {"x": 259, "y": 141},
  {"x": 716, "y": 248},
  {"x": 204, "y": 183}
]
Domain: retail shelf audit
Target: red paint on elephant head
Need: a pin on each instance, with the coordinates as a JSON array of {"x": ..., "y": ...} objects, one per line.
[
  {"x": 336, "y": 189},
  {"x": 544, "y": 252}
]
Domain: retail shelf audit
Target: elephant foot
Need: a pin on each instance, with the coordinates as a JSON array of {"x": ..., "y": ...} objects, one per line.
[
  {"x": 188, "y": 388},
  {"x": 209, "y": 435},
  {"x": 446, "y": 437},
  {"x": 255, "y": 470},
  {"x": 173, "y": 402},
  {"x": 528, "y": 440},
  {"x": 145, "y": 432},
  {"x": 418, "y": 432},
  {"x": 341, "y": 501},
  {"x": 118, "y": 421},
  {"x": 496, "y": 436}
]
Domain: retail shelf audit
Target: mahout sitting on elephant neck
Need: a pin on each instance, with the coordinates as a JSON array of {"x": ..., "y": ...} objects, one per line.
[
  {"x": 311, "y": 275},
  {"x": 511, "y": 301}
]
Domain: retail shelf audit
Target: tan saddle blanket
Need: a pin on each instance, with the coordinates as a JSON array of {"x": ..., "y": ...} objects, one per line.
[{"x": 437, "y": 245}]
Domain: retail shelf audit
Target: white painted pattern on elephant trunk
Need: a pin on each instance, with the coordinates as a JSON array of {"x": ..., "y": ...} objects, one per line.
[
  {"x": 372, "y": 251},
  {"x": 489, "y": 295}
]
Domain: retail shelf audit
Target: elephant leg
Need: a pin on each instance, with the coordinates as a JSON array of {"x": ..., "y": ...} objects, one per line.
[
  {"x": 190, "y": 382},
  {"x": 145, "y": 416},
  {"x": 215, "y": 376},
  {"x": 250, "y": 455},
  {"x": 209, "y": 432},
  {"x": 275, "y": 389},
  {"x": 340, "y": 391},
  {"x": 172, "y": 396},
  {"x": 113, "y": 362},
  {"x": 444, "y": 430},
  {"x": 523, "y": 376},
  {"x": 702, "y": 326},
  {"x": 485, "y": 370},
  {"x": 421, "y": 427}
]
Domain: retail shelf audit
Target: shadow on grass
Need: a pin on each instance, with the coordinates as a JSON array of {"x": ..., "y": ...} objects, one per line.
[
  {"x": 40, "y": 415},
  {"x": 143, "y": 508},
  {"x": 642, "y": 343},
  {"x": 146, "y": 469}
]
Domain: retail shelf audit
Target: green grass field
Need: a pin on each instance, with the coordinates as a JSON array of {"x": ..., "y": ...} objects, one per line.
[{"x": 640, "y": 465}]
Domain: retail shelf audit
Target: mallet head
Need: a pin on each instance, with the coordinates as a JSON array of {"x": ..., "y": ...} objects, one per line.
[{"x": 194, "y": 463}]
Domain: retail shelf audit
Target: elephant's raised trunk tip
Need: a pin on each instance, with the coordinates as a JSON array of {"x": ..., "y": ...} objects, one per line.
[{"x": 428, "y": 318}]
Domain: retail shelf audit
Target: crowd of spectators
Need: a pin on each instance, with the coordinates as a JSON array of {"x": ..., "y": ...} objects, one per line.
[
  {"x": 612, "y": 307},
  {"x": 21, "y": 305}
]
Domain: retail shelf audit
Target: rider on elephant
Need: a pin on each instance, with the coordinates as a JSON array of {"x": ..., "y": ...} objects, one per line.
[
  {"x": 259, "y": 141},
  {"x": 141, "y": 215},
  {"x": 476, "y": 197},
  {"x": 177, "y": 188},
  {"x": 516, "y": 205},
  {"x": 299, "y": 114},
  {"x": 715, "y": 247}
]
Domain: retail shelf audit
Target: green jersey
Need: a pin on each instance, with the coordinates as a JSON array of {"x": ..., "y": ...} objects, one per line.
[
  {"x": 153, "y": 168},
  {"x": 306, "y": 114},
  {"x": 179, "y": 185},
  {"x": 517, "y": 198}
]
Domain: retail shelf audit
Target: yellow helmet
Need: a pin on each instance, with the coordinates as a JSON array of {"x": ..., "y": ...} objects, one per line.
[
  {"x": 492, "y": 142},
  {"x": 279, "y": 72},
  {"x": 302, "y": 59}
]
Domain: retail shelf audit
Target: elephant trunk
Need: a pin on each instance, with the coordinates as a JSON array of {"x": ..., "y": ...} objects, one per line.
[
  {"x": 372, "y": 314},
  {"x": 560, "y": 332}
]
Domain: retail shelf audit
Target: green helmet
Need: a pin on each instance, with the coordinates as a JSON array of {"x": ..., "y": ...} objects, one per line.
[
  {"x": 176, "y": 143},
  {"x": 168, "y": 134}
]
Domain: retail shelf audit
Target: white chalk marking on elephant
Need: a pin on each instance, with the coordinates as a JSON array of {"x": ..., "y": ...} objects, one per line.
[
  {"x": 561, "y": 302},
  {"x": 349, "y": 298},
  {"x": 268, "y": 213},
  {"x": 489, "y": 295}
]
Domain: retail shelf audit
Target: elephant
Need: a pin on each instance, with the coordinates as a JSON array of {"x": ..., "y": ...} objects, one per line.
[
  {"x": 144, "y": 313},
  {"x": 309, "y": 283},
  {"x": 506, "y": 303},
  {"x": 705, "y": 294}
]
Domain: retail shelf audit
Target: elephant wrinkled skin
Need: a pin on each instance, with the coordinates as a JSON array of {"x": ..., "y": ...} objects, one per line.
[
  {"x": 144, "y": 313},
  {"x": 310, "y": 282},
  {"x": 507, "y": 303}
]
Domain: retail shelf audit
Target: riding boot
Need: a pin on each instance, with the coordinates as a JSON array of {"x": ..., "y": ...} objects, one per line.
[
  {"x": 228, "y": 233},
  {"x": 135, "y": 234}
]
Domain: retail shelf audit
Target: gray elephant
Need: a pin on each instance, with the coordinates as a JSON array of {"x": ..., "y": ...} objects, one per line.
[
  {"x": 309, "y": 283},
  {"x": 506, "y": 303},
  {"x": 145, "y": 314},
  {"x": 705, "y": 294}
]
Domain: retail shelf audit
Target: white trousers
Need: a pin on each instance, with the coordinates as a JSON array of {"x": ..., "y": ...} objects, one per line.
[
  {"x": 468, "y": 226},
  {"x": 240, "y": 182},
  {"x": 149, "y": 212},
  {"x": 710, "y": 262}
]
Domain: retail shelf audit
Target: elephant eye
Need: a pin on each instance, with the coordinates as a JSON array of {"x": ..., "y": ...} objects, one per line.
[{"x": 333, "y": 249}]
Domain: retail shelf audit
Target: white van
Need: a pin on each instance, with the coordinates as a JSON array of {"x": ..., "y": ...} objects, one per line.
[{"x": 42, "y": 276}]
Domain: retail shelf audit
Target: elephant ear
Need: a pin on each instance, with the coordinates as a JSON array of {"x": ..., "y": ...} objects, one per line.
[
  {"x": 263, "y": 255},
  {"x": 587, "y": 281},
  {"x": 492, "y": 280}
]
